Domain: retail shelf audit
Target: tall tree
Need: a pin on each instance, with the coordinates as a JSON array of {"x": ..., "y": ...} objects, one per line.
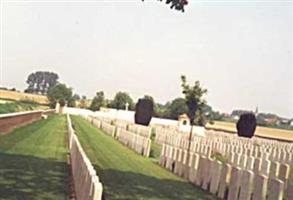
[
  {"x": 120, "y": 100},
  {"x": 59, "y": 93},
  {"x": 194, "y": 97},
  {"x": 39, "y": 82},
  {"x": 98, "y": 101}
]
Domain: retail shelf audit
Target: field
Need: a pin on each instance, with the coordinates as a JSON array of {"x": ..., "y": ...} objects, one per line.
[
  {"x": 260, "y": 131},
  {"x": 33, "y": 162},
  {"x": 20, "y": 96},
  {"x": 127, "y": 175},
  {"x": 18, "y": 106}
]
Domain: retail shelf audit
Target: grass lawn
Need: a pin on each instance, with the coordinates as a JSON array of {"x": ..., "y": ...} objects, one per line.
[
  {"x": 18, "y": 106},
  {"x": 127, "y": 175},
  {"x": 32, "y": 161}
]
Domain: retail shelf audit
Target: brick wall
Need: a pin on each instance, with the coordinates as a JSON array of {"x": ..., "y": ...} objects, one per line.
[{"x": 13, "y": 120}]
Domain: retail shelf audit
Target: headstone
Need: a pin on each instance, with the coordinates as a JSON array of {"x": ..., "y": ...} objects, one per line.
[
  {"x": 289, "y": 192},
  {"x": 193, "y": 168},
  {"x": 284, "y": 173},
  {"x": 200, "y": 170},
  {"x": 178, "y": 161},
  {"x": 274, "y": 171},
  {"x": 275, "y": 189},
  {"x": 207, "y": 174},
  {"x": 265, "y": 167},
  {"x": 250, "y": 163},
  {"x": 246, "y": 185},
  {"x": 237, "y": 159},
  {"x": 163, "y": 156},
  {"x": 260, "y": 187},
  {"x": 215, "y": 177},
  {"x": 257, "y": 165},
  {"x": 235, "y": 183},
  {"x": 243, "y": 161}
]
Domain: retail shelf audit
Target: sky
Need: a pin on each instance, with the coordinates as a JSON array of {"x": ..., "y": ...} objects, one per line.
[{"x": 241, "y": 51}]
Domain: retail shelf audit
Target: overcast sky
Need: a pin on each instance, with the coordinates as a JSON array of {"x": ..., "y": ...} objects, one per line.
[{"x": 241, "y": 51}]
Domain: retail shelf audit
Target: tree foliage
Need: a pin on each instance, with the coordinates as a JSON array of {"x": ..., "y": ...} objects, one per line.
[
  {"x": 76, "y": 97},
  {"x": 120, "y": 100},
  {"x": 194, "y": 98},
  {"x": 162, "y": 110},
  {"x": 149, "y": 98},
  {"x": 39, "y": 82},
  {"x": 83, "y": 102},
  {"x": 176, "y": 4},
  {"x": 60, "y": 93},
  {"x": 177, "y": 107},
  {"x": 98, "y": 101}
]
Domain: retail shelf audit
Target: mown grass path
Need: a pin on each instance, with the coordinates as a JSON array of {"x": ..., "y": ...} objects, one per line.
[
  {"x": 125, "y": 174},
  {"x": 33, "y": 161}
]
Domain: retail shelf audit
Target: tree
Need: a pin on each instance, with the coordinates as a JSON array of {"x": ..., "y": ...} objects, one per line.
[
  {"x": 39, "y": 82},
  {"x": 98, "y": 101},
  {"x": 193, "y": 98},
  {"x": 83, "y": 102},
  {"x": 195, "y": 102},
  {"x": 177, "y": 107},
  {"x": 177, "y": 4},
  {"x": 120, "y": 100},
  {"x": 76, "y": 97},
  {"x": 162, "y": 110},
  {"x": 59, "y": 93}
]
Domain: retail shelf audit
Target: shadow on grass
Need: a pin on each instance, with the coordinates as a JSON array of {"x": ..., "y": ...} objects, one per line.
[
  {"x": 129, "y": 185},
  {"x": 31, "y": 178}
]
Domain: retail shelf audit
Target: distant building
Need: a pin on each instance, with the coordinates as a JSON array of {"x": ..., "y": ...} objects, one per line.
[
  {"x": 284, "y": 121},
  {"x": 183, "y": 120},
  {"x": 271, "y": 120},
  {"x": 235, "y": 115}
]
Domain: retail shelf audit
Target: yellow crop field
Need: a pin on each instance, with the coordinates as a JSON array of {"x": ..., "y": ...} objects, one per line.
[
  {"x": 260, "y": 131},
  {"x": 18, "y": 96}
]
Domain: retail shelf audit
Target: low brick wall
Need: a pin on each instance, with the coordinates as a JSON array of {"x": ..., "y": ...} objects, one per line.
[{"x": 10, "y": 121}]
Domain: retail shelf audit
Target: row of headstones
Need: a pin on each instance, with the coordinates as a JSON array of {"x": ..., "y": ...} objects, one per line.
[
  {"x": 136, "y": 142},
  {"x": 86, "y": 182},
  {"x": 256, "y": 163},
  {"x": 141, "y": 130},
  {"x": 139, "y": 144},
  {"x": 225, "y": 181},
  {"x": 144, "y": 131},
  {"x": 164, "y": 135},
  {"x": 265, "y": 143},
  {"x": 180, "y": 140},
  {"x": 274, "y": 154},
  {"x": 229, "y": 150}
]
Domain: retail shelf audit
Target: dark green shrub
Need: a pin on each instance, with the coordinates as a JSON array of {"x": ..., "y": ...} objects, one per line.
[
  {"x": 246, "y": 125},
  {"x": 143, "y": 111}
]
